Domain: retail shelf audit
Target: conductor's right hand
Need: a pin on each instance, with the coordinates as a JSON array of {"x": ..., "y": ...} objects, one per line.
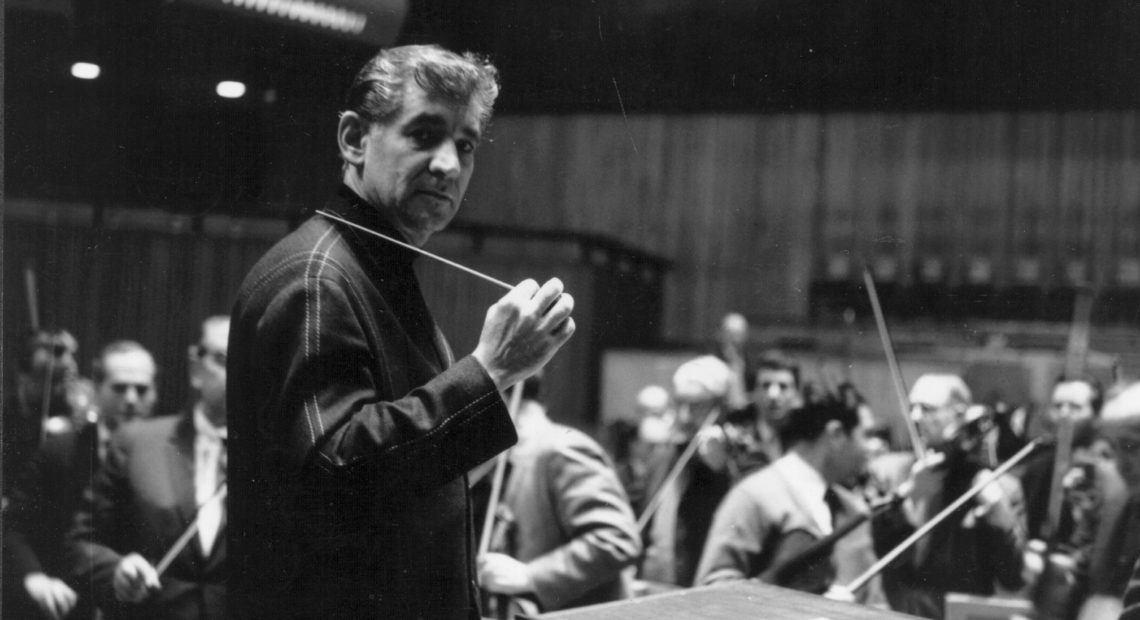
[{"x": 523, "y": 330}]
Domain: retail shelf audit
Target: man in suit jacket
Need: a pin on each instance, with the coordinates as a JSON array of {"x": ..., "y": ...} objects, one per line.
[
  {"x": 773, "y": 513},
  {"x": 47, "y": 490},
  {"x": 162, "y": 475},
  {"x": 567, "y": 531}
]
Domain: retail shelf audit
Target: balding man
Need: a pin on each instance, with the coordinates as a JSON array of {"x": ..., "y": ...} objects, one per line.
[
  {"x": 44, "y": 493},
  {"x": 161, "y": 475},
  {"x": 975, "y": 549}
]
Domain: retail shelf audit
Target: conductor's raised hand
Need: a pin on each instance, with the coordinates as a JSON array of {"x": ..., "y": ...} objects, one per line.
[{"x": 523, "y": 330}]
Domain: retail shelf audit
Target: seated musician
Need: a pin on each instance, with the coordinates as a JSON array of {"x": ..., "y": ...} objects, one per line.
[
  {"x": 978, "y": 547},
  {"x": 772, "y": 516}
]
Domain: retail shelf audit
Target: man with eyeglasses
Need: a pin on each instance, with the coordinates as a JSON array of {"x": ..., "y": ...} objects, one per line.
[
  {"x": 43, "y": 492},
  {"x": 977, "y": 548},
  {"x": 163, "y": 477}
]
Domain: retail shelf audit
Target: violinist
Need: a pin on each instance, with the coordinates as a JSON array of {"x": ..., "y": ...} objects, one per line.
[
  {"x": 980, "y": 547},
  {"x": 566, "y": 531},
  {"x": 1080, "y": 399},
  {"x": 46, "y": 491},
  {"x": 684, "y": 492},
  {"x": 48, "y": 395},
  {"x": 775, "y": 514}
]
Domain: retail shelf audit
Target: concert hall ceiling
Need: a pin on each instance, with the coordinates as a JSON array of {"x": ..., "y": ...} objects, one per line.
[{"x": 160, "y": 61}]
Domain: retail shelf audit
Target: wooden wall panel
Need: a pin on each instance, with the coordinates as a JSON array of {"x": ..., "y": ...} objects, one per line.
[
  {"x": 753, "y": 208},
  {"x": 750, "y": 209}
]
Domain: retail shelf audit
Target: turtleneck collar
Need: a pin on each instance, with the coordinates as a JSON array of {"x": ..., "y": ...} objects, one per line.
[{"x": 355, "y": 209}]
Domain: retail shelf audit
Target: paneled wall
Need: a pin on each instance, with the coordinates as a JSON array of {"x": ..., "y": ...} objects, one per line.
[
  {"x": 153, "y": 277},
  {"x": 750, "y": 210},
  {"x": 753, "y": 209}
]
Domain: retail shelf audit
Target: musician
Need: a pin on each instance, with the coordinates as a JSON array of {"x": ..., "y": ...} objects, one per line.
[
  {"x": 566, "y": 530},
  {"x": 160, "y": 474},
  {"x": 676, "y": 533},
  {"x": 353, "y": 428},
  {"x": 46, "y": 366},
  {"x": 1080, "y": 400},
  {"x": 800, "y": 498},
  {"x": 45, "y": 492},
  {"x": 1117, "y": 546},
  {"x": 978, "y": 547}
]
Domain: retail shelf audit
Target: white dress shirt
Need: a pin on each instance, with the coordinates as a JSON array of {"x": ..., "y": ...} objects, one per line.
[
  {"x": 208, "y": 448},
  {"x": 808, "y": 487}
]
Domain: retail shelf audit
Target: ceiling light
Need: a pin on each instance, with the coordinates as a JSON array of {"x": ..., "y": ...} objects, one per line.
[
  {"x": 230, "y": 90},
  {"x": 85, "y": 70}
]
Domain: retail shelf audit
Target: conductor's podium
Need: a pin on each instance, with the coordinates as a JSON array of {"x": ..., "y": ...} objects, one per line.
[{"x": 739, "y": 600}]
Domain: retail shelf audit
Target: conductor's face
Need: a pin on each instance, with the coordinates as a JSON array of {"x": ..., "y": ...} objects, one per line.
[{"x": 415, "y": 168}]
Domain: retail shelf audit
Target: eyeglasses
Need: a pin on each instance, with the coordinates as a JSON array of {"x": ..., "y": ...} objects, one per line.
[
  {"x": 122, "y": 388},
  {"x": 217, "y": 357}
]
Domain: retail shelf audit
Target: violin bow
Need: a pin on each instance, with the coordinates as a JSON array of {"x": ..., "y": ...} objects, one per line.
[
  {"x": 1076, "y": 352},
  {"x": 32, "y": 294},
  {"x": 893, "y": 364},
  {"x": 498, "y": 476},
  {"x": 925, "y": 529},
  {"x": 188, "y": 533},
  {"x": 678, "y": 467}
]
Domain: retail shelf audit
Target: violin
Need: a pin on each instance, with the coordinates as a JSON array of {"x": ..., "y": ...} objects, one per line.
[{"x": 802, "y": 561}]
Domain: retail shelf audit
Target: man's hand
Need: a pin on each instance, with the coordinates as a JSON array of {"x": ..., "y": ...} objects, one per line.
[
  {"x": 134, "y": 579},
  {"x": 837, "y": 592},
  {"x": 923, "y": 486},
  {"x": 503, "y": 574},
  {"x": 523, "y": 330},
  {"x": 713, "y": 448},
  {"x": 54, "y": 598}
]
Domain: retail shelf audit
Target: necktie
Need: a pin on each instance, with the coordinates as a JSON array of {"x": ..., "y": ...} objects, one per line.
[{"x": 831, "y": 498}]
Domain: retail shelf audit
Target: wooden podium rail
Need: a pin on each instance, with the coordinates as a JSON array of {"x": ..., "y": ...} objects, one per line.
[{"x": 738, "y": 600}]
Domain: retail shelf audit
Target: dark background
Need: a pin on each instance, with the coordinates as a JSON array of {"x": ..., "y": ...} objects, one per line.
[{"x": 121, "y": 138}]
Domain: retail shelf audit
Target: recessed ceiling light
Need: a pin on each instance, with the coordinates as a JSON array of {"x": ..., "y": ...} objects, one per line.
[
  {"x": 230, "y": 89},
  {"x": 85, "y": 70}
]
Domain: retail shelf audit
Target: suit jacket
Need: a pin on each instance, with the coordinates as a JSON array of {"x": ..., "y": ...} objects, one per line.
[
  {"x": 351, "y": 432},
  {"x": 572, "y": 523},
  {"x": 760, "y": 514},
  {"x": 684, "y": 517},
  {"x": 141, "y": 501},
  {"x": 42, "y": 500}
]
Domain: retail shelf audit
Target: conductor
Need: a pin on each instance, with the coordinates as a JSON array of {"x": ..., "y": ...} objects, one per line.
[{"x": 352, "y": 426}]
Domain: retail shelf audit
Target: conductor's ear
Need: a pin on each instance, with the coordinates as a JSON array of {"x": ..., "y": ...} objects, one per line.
[{"x": 350, "y": 134}]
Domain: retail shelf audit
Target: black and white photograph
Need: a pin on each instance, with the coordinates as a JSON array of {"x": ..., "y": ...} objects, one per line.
[{"x": 637, "y": 309}]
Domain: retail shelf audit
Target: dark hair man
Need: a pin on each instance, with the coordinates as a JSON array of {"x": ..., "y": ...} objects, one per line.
[
  {"x": 800, "y": 494},
  {"x": 352, "y": 427}
]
